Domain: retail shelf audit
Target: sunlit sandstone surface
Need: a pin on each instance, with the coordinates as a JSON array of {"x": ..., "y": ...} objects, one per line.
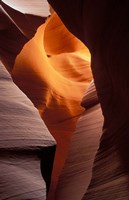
[{"x": 53, "y": 70}]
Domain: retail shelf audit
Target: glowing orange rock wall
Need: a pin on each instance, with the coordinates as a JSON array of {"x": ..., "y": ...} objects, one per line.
[{"x": 53, "y": 70}]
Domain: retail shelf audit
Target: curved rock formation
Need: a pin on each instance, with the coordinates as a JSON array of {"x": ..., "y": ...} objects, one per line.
[{"x": 53, "y": 70}]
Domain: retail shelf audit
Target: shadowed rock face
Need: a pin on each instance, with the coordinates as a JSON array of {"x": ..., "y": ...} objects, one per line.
[
  {"x": 27, "y": 148},
  {"x": 104, "y": 27}
]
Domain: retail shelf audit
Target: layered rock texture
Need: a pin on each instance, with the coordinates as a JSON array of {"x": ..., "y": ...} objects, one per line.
[
  {"x": 77, "y": 171},
  {"x": 26, "y": 147}
]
